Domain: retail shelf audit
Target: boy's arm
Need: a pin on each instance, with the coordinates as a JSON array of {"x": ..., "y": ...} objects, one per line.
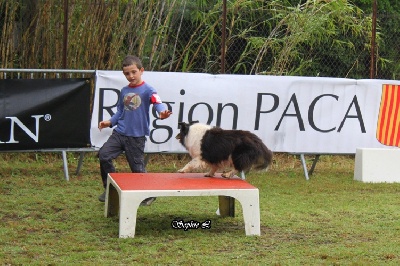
[
  {"x": 160, "y": 107},
  {"x": 120, "y": 110}
]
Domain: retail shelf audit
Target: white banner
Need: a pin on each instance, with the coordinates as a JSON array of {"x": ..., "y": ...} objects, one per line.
[{"x": 290, "y": 114}]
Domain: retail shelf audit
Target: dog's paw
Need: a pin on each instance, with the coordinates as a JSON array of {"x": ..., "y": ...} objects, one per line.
[
  {"x": 229, "y": 174},
  {"x": 209, "y": 175},
  {"x": 181, "y": 170}
]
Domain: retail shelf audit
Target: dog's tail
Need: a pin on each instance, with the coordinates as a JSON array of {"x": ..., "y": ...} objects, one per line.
[{"x": 265, "y": 156}]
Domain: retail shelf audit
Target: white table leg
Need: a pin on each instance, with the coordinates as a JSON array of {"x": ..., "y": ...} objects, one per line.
[
  {"x": 127, "y": 214},
  {"x": 251, "y": 211}
]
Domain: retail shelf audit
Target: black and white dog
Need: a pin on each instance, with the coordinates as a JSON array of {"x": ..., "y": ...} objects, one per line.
[{"x": 216, "y": 148}]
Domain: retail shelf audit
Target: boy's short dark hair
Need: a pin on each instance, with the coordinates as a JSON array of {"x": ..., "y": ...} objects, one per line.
[{"x": 132, "y": 60}]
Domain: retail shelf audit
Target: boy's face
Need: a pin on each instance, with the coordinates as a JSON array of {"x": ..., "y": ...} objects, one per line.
[{"x": 133, "y": 74}]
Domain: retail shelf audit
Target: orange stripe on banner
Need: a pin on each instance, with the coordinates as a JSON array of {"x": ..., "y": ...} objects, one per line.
[
  {"x": 389, "y": 116},
  {"x": 389, "y": 119},
  {"x": 385, "y": 113},
  {"x": 396, "y": 141},
  {"x": 394, "y": 124},
  {"x": 388, "y": 128},
  {"x": 382, "y": 113}
]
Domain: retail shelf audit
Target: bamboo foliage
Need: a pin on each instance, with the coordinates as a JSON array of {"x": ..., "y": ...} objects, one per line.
[
  {"x": 313, "y": 23},
  {"x": 269, "y": 37},
  {"x": 7, "y": 45},
  {"x": 92, "y": 38},
  {"x": 101, "y": 32},
  {"x": 37, "y": 43},
  {"x": 199, "y": 38}
]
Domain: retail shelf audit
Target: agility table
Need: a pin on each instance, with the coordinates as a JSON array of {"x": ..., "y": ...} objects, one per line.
[{"x": 125, "y": 192}]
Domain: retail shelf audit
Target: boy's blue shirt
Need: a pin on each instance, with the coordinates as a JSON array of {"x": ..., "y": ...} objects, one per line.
[{"x": 132, "y": 117}]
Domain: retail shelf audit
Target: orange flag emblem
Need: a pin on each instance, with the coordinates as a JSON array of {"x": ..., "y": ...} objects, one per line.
[{"x": 388, "y": 129}]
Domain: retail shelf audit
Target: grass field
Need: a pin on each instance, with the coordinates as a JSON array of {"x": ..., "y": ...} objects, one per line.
[{"x": 329, "y": 220}]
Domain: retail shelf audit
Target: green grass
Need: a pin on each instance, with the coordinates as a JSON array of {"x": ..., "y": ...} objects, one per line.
[{"x": 329, "y": 220}]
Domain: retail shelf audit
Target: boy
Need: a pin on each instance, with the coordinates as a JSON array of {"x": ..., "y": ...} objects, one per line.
[{"x": 132, "y": 121}]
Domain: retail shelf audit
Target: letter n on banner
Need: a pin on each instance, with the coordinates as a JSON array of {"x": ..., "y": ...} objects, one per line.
[{"x": 388, "y": 128}]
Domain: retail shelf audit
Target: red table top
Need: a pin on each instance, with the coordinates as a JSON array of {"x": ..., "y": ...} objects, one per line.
[{"x": 176, "y": 181}]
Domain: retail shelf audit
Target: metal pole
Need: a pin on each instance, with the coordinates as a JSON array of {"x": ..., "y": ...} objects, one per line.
[
  {"x": 225, "y": 200},
  {"x": 223, "y": 37},
  {"x": 373, "y": 39},
  {"x": 65, "y": 39}
]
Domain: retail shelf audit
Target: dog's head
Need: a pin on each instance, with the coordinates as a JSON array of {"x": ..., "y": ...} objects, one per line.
[{"x": 184, "y": 130}]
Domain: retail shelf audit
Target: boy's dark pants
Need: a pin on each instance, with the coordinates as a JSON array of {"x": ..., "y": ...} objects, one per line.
[{"x": 114, "y": 146}]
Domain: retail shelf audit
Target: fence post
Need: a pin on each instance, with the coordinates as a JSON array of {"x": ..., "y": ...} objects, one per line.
[
  {"x": 373, "y": 40},
  {"x": 223, "y": 37}
]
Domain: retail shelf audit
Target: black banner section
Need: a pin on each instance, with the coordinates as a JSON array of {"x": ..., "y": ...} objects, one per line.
[{"x": 44, "y": 114}]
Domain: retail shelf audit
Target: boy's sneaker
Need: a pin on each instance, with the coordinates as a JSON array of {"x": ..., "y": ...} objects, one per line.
[
  {"x": 147, "y": 202},
  {"x": 102, "y": 197}
]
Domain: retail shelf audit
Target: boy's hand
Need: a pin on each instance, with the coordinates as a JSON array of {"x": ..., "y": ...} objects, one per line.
[
  {"x": 104, "y": 124},
  {"x": 165, "y": 114}
]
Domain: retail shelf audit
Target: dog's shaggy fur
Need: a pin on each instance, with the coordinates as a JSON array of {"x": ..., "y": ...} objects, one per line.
[{"x": 217, "y": 148}]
